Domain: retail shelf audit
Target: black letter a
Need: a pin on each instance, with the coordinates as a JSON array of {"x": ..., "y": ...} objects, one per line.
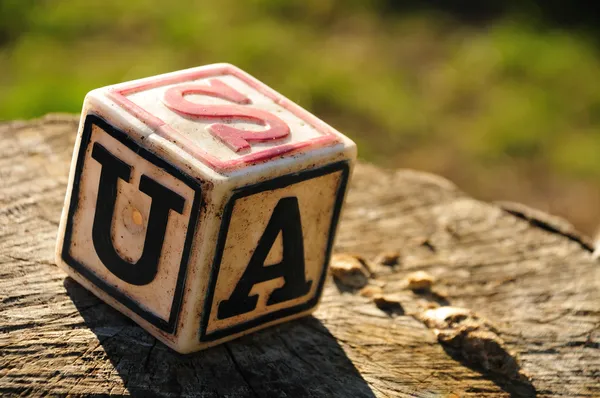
[
  {"x": 285, "y": 218},
  {"x": 163, "y": 200}
]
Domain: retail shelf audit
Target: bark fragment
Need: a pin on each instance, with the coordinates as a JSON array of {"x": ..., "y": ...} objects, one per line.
[
  {"x": 419, "y": 280},
  {"x": 474, "y": 338},
  {"x": 349, "y": 270}
]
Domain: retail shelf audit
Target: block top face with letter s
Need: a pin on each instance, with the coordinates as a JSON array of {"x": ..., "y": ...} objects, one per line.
[{"x": 224, "y": 117}]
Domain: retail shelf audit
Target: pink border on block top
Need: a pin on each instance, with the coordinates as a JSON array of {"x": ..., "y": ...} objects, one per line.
[{"x": 119, "y": 95}]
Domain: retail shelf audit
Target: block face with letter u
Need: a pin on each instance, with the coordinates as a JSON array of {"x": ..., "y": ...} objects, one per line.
[
  {"x": 202, "y": 204},
  {"x": 131, "y": 222}
]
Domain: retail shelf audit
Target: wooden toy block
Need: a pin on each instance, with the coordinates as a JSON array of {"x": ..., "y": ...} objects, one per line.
[{"x": 202, "y": 204}]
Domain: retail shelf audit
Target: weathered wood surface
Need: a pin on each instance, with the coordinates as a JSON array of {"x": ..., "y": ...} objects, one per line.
[{"x": 530, "y": 274}]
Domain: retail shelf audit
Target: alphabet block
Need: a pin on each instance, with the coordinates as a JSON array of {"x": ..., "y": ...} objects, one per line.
[{"x": 202, "y": 204}]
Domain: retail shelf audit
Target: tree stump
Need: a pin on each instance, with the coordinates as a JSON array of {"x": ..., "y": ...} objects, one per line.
[{"x": 529, "y": 274}]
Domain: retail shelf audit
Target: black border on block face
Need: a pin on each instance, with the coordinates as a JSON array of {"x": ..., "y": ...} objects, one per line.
[
  {"x": 170, "y": 326},
  {"x": 276, "y": 183}
]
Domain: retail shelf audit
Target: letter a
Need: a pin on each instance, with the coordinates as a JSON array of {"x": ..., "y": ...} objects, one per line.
[{"x": 285, "y": 218}]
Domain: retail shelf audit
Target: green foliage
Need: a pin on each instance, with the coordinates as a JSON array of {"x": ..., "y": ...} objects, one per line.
[{"x": 396, "y": 82}]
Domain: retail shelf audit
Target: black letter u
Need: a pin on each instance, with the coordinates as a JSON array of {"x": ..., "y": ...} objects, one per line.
[{"x": 163, "y": 200}]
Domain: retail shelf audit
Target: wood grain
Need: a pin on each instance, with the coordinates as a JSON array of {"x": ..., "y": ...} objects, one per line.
[{"x": 530, "y": 274}]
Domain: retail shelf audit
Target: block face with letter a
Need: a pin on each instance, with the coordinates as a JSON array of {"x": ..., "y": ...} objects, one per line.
[
  {"x": 273, "y": 250},
  {"x": 202, "y": 204}
]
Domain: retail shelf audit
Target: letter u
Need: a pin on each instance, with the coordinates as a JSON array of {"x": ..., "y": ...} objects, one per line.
[{"x": 163, "y": 199}]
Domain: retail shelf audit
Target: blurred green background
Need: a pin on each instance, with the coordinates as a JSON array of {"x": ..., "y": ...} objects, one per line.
[{"x": 503, "y": 97}]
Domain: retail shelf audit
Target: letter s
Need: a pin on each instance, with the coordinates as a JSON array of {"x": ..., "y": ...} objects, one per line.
[{"x": 234, "y": 138}]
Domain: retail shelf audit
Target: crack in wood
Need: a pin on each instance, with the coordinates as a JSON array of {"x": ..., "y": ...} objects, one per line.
[{"x": 240, "y": 370}]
